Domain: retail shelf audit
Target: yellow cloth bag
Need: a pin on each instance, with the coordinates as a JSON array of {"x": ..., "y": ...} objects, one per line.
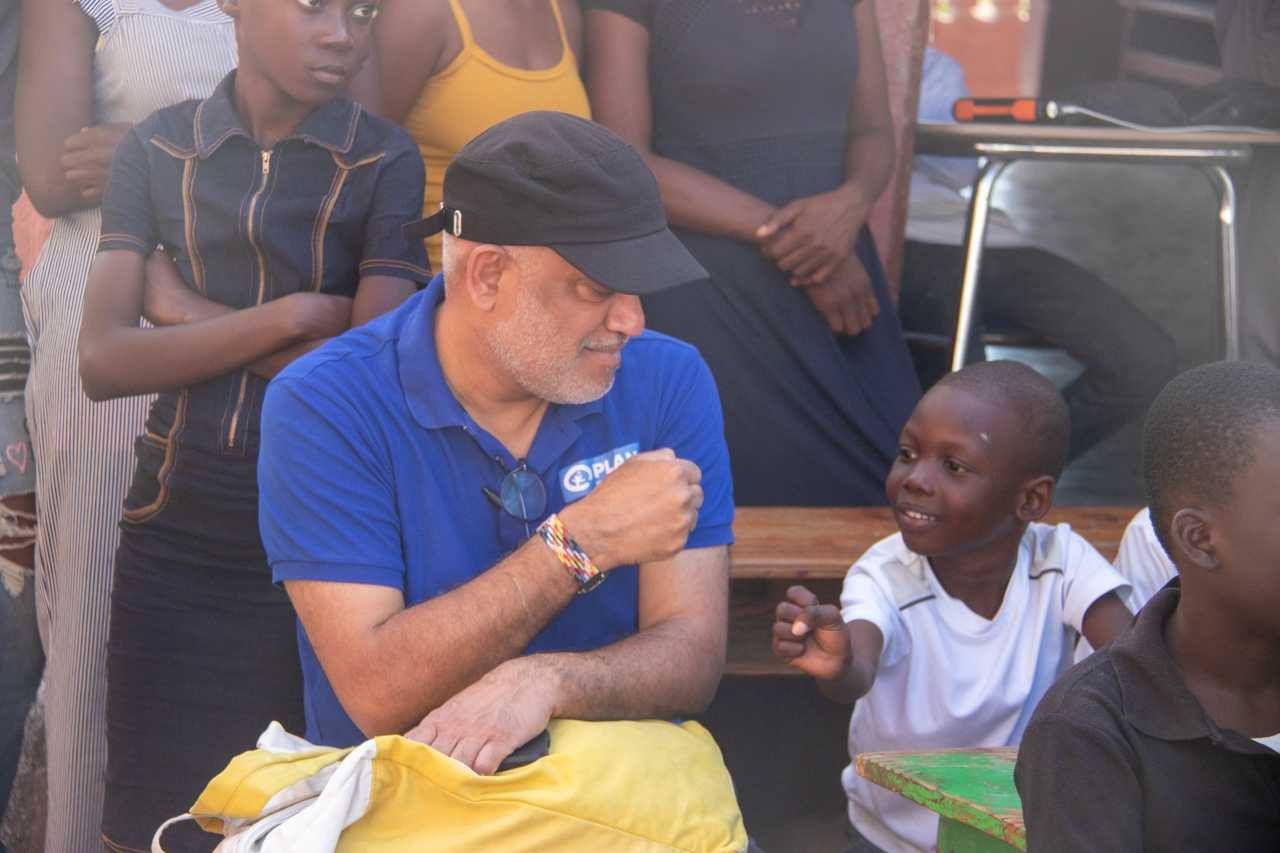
[{"x": 619, "y": 786}]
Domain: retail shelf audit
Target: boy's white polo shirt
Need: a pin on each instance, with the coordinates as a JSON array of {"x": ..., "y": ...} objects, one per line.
[
  {"x": 949, "y": 678},
  {"x": 1142, "y": 560}
]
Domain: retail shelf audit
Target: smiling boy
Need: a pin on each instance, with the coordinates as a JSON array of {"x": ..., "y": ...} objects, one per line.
[{"x": 950, "y": 631}]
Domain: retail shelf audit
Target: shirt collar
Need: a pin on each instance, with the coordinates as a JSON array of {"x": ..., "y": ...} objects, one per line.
[
  {"x": 332, "y": 125},
  {"x": 1155, "y": 698},
  {"x": 429, "y": 397}
]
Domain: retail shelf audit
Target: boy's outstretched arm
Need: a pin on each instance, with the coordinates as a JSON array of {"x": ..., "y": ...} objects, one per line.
[
  {"x": 1105, "y": 620},
  {"x": 812, "y": 637}
]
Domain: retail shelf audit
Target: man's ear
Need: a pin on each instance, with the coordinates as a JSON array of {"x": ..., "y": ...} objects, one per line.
[
  {"x": 230, "y": 8},
  {"x": 1191, "y": 532},
  {"x": 484, "y": 269},
  {"x": 1037, "y": 498}
]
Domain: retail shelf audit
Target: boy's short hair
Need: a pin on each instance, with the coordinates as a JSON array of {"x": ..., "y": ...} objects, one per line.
[
  {"x": 1199, "y": 435},
  {"x": 1033, "y": 399}
]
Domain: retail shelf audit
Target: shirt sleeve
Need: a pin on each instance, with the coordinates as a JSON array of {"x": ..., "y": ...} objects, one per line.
[
  {"x": 1142, "y": 561},
  {"x": 694, "y": 429},
  {"x": 397, "y": 200},
  {"x": 1078, "y": 787},
  {"x": 326, "y": 505},
  {"x": 1087, "y": 576},
  {"x": 863, "y": 597},
  {"x": 640, "y": 11},
  {"x": 127, "y": 219}
]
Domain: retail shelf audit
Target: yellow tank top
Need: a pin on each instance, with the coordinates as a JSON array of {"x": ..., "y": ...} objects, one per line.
[{"x": 474, "y": 92}]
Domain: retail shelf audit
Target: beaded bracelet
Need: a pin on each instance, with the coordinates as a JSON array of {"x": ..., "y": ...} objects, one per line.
[{"x": 570, "y": 554}]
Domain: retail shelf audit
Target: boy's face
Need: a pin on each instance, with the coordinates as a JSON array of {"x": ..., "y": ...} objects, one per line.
[
  {"x": 957, "y": 481},
  {"x": 1247, "y": 536},
  {"x": 309, "y": 49}
]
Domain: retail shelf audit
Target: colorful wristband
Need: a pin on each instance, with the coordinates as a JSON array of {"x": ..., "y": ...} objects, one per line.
[{"x": 570, "y": 554}]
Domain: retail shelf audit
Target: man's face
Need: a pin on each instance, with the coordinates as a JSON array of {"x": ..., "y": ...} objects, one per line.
[
  {"x": 309, "y": 49},
  {"x": 954, "y": 486},
  {"x": 561, "y": 334}
]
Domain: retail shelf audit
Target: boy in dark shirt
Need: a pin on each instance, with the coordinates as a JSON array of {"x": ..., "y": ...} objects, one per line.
[{"x": 1168, "y": 739}]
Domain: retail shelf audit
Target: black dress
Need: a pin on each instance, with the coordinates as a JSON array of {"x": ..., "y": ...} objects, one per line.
[{"x": 756, "y": 93}]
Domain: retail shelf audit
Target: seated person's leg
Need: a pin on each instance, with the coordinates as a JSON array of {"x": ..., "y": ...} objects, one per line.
[
  {"x": 1126, "y": 355},
  {"x": 927, "y": 305}
]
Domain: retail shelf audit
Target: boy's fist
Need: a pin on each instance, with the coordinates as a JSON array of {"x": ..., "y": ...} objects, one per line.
[{"x": 811, "y": 636}]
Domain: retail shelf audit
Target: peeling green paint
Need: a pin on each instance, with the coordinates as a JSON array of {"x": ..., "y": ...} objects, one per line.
[{"x": 970, "y": 787}]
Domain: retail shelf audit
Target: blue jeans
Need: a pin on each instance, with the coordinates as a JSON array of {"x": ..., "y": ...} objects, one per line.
[
  {"x": 21, "y": 657},
  {"x": 21, "y": 661}
]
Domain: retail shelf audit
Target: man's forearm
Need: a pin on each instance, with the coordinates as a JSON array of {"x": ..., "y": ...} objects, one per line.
[
  {"x": 420, "y": 656},
  {"x": 666, "y": 670}
]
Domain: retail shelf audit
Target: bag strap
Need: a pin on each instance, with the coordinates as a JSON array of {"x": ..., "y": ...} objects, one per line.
[{"x": 155, "y": 839}]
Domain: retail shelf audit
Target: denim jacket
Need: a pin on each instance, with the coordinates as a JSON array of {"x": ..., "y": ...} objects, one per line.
[{"x": 316, "y": 212}]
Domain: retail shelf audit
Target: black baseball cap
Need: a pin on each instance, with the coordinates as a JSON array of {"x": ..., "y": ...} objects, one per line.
[{"x": 556, "y": 180}]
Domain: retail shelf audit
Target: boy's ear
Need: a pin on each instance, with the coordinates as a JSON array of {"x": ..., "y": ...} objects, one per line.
[
  {"x": 1191, "y": 530},
  {"x": 1037, "y": 499}
]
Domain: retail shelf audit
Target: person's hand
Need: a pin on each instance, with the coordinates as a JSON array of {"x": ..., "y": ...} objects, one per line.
[
  {"x": 811, "y": 236},
  {"x": 846, "y": 299},
  {"x": 811, "y": 636},
  {"x": 642, "y": 512},
  {"x": 167, "y": 300},
  {"x": 316, "y": 316},
  {"x": 492, "y": 718},
  {"x": 86, "y": 158}
]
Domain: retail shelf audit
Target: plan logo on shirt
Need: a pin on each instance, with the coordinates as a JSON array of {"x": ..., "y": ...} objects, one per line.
[{"x": 578, "y": 479}]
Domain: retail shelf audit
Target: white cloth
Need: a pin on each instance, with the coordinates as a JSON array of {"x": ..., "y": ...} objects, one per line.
[
  {"x": 939, "y": 201},
  {"x": 1272, "y": 742},
  {"x": 949, "y": 678},
  {"x": 1142, "y": 561}
]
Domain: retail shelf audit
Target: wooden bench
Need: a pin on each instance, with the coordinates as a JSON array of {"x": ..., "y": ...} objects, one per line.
[
  {"x": 779, "y": 546},
  {"x": 972, "y": 791}
]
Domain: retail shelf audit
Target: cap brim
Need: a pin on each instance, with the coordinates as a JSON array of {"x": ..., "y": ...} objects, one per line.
[{"x": 639, "y": 266}]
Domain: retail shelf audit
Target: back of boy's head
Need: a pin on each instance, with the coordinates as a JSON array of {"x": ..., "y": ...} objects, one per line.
[
  {"x": 1043, "y": 422},
  {"x": 1199, "y": 435}
]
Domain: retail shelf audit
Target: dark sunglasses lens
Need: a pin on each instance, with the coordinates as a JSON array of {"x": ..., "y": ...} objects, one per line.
[{"x": 523, "y": 494}]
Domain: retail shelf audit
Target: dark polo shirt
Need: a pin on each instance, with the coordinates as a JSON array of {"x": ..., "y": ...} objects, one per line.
[{"x": 1119, "y": 756}]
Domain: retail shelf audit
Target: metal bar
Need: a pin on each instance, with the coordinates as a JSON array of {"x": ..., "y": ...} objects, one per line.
[
  {"x": 1221, "y": 179},
  {"x": 975, "y": 236},
  {"x": 1112, "y": 152}
]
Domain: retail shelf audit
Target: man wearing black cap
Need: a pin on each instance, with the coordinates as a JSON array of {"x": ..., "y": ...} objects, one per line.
[{"x": 506, "y": 502}]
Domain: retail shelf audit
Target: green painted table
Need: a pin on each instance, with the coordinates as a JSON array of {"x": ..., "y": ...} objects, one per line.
[{"x": 971, "y": 790}]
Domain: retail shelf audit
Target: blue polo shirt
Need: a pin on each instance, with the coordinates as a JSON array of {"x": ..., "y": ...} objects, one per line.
[{"x": 372, "y": 472}]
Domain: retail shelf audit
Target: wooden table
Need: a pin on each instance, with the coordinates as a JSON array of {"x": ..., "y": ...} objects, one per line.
[
  {"x": 971, "y": 790},
  {"x": 1003, "y": 144},
  {"x": 778, "y": 546}
]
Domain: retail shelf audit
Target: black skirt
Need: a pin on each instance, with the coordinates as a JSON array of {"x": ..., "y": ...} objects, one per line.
[{"x": 202, "y": 656}]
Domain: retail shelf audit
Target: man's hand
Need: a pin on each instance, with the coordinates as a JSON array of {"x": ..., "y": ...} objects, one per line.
[
  {"x": 811, "y": 636},
  {"x": 642, "y": 512},
  {"x": 845, "y": 299},
  {"x": 493, "y": 717},
  {"x": 810, "y": 237},
  {"x": 86, "y": 158}
]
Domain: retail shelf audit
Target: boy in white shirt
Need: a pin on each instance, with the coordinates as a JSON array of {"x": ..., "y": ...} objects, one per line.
[
  {"x": 950, "y": 631},
  {"x": 1142, "y": 561}
]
